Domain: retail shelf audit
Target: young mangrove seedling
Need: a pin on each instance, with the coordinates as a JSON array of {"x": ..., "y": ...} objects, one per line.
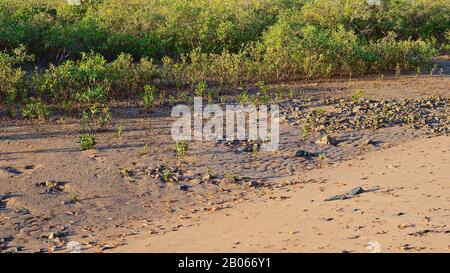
[
  {"x": 87, "y": 141},
  {"x": 255, "y": 150},
  {"x": 166, "y": 172},
  {"x": 230, "y": 177},
  {"x": 181, "y": 147},
  {"x": 200, "y": 89}
]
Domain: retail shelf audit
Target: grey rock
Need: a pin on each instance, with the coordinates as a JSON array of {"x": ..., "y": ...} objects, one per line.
[
  {"x": 356, "y": 191},
  {"x": 184, "y": 187},
  {"x": 305, "y": 154},
  {"x": 336, "y": 197}
]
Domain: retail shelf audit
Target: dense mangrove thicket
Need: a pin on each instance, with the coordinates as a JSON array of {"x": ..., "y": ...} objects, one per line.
[{"x": 110, "y": 48}]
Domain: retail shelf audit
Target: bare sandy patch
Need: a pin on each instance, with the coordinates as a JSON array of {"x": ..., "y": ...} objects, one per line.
[{"x": 405, "y": 208}]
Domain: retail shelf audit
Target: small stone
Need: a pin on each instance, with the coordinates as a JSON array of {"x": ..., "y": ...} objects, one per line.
[
  {"x": 327, "y": 139},
  {"x": 55, "y": 235},
  {"x": 22, "y": 211},
  {"x": 207, "y": 177},
  {"x": 14, "y": 249},
  {"x": 368, "y": 141},
  {"x": 184, "y": 187},
  {"x": 305, "y": 154},
  {"x": 336, "y": 197},
  {"x": 356, "y": 191},
  {"x": 6, "y": 239},
  {"x": 195, "y": 181},
  {"x": 253, "y": 184},
  {"x": 408, "y": 225},
  {"x": 106, "y": 247}
]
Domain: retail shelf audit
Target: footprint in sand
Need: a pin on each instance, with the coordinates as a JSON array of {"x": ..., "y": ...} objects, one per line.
[{"x": 8, "y": 171}]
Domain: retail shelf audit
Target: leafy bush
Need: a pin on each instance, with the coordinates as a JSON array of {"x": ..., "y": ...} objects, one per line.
[
  {"x": 293, "y": 49},
  {"x": 419, "y": 19},
  {"x": 12, "y": 79},
  {"x": 181, "y": 147},
  {"x": 149, "y": 97},
  {"x": 94, "y": 106},
  {"x": 87, "y": 141},
  {"x": 75, "y": 81},
  {"x": 93, "y": 80},
  {"x": 54, "y": 30},
  {"x": 35, "y": 109},
  {"x": 127, "y": 77},
  {"x": 25, "y": 24},
  {"x": 131, "y": 44},
  {"x": 389, "y": 54},
  {"x": 150, "y": 28}
]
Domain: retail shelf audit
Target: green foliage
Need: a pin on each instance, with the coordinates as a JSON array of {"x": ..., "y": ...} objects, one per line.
[
  {"x": 112, "y": 48},
  {"x": 127, "y": 76},
  {"x": 156, "y": 28},
  {"x": 243, "y": 98},
  {"x": 358, "y": 95},
  {"x": 96, "y": 114},
  {"x": 35, "y": 109},
  {"x": 166, "y": 172},
  {"x": 87, "y": 141},
  {"x": 12, "y": 79},
  {"x": 419, "y": 19},
  {"x": 125, "y": 172},
  {"x": 93, "y": 80},
  {"x": 317, "y": 52},
  {"x": 305, "y": 132},
  {"x": 200, "y": 89},
  {"x": 263, "y": 96},
  {"x": 255, "y": 150},
  {"x": 211, "y": 96},
  {"x": 144, "y": 150},
  {"x": 181, "y": 147},
  {"x": 230, "y": 177},
  {"x": 149, "y": 96},
  {"x": 151, "y": 28},
  {"x": 83, "y": 81}
]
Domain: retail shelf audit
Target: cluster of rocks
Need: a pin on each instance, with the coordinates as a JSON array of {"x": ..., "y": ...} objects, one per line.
[
  {"x": 57, "y": 237},
  {"x": 348, "y": 195},
  {"x": 167, "y": 174},
  {"x": 432, "y": 114},
  {"x": 177, "y": 176},
  {"x": 306, "y": 154},
  {"x": 51, "y": 186},
  {"x": 242, "y": 145},
  {"x": 3, "y": 199},
  {"x": 5, "y": 248}
]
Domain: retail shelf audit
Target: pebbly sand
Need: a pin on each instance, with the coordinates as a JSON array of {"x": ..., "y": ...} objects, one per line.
[{"x": 53, "y": 193}]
